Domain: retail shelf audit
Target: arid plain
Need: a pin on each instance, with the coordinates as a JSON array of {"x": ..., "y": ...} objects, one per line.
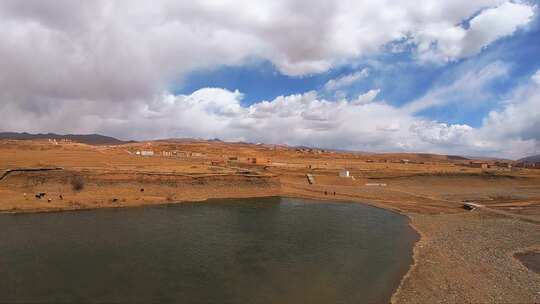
[{"x": 462, "y": 255}]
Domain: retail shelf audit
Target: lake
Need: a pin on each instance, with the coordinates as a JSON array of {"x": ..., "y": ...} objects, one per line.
[{"x": 260, "y": 250}]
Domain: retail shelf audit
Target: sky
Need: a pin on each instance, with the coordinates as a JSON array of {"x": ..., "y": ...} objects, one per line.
[{"x": 444, "y": 76}]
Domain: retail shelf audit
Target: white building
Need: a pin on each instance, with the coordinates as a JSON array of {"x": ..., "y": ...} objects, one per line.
[
  {"x": 147, "y": 153},
  {"x": 344, "y": 173}
]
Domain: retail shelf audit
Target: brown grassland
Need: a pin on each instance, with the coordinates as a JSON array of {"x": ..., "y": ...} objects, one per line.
[{"x": 462, "y": 256}]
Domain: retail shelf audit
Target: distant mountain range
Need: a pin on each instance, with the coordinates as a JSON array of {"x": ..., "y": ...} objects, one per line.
[
  {"x": 530, "y": 159},
  {"x": 90, "y": 139}
]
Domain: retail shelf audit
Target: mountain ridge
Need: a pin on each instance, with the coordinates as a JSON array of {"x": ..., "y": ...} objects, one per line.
[{"x": 91, "y": 139}]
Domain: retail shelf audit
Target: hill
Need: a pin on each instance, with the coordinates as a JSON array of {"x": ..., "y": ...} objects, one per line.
[
  {"x": 90, "y": 139},
  {"x": 530, "y": 159}
]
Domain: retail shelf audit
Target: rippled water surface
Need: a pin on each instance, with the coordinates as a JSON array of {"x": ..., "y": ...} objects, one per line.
[{"x": 271, "y": 250}]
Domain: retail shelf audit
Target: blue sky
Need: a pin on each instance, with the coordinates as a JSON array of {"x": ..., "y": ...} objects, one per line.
[
  {"x": 399, "y": 76},
  {"x": 441, "y": 76}
]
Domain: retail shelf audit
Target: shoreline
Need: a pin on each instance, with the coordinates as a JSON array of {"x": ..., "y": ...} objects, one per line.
[{"x": 415, "y": 259}]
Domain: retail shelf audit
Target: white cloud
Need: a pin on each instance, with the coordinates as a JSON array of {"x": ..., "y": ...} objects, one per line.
[
  {"x": 441, "y": 133},
  {"x": 445, "y": 41},
  {"x": 129, "y": 49},
  {"x": 102, "y": 66},
  {"x": 536, "y": 77},
  {"x": 345, "y": 81},
  {"x": 469, "y": 86},
  {"x": 301, "y": 119},
  {"x": 520, "y": 117},
  {"x": 367, "y": 97}
]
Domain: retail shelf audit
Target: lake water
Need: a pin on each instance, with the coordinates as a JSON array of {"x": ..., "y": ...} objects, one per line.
[{"x": 264, "y": 250}]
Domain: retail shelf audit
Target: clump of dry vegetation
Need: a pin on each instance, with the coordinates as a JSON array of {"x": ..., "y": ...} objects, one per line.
[{"x": 77, "y": 183}]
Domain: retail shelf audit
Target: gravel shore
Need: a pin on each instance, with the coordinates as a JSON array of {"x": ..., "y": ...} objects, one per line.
[{"x": 468, "y": 258}]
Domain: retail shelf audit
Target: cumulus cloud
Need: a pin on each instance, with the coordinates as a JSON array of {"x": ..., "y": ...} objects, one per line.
[
  {"x": 366, "y": 97},
  {"x": 306, "y": 119},
  {"x": 519, "y": 118},
  {"x": 444, "y": 41},
  {"x": 108, "y": 67},
  {"x": 126, "y": 48},
  {"x": 441, "y": 133}
]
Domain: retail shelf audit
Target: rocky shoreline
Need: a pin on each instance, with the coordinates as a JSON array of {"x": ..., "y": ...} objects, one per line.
[{"x": 469, "y": 258}]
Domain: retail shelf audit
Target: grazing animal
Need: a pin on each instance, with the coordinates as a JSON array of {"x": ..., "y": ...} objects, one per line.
[{"x": 40, "y": 195}]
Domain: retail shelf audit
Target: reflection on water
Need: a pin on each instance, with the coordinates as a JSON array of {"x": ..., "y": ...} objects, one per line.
[{"x": 271, "y": 250}]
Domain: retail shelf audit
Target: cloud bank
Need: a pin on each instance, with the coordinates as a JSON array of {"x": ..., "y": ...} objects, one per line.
[
  {"x": 308, "y": 119},
  {"x": 102, "y": 66}
]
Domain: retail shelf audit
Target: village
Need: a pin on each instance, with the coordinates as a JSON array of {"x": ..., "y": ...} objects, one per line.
[{"x": 283, "y": 169}]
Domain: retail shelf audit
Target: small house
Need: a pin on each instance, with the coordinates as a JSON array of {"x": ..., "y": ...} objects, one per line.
[
  {"x": 344, "y": 173},
  {"x": 505, "y": 165},
  {"x": 147, "y": 153},
  {"x": 477, "y": 164}
]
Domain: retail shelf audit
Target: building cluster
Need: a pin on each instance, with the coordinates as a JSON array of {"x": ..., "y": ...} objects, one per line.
[
  {"x": 252, "y": 160},
  {"x": 169, "y": 153},
  {"x": 531, "y": 165},
  {"x": 498, "y": 165},
  {"x": 54, "y": 141},
  {"x": 504, "y": 165},
  {"x": 310, "y": 150},
  {"x": 221, "y": 160}
]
